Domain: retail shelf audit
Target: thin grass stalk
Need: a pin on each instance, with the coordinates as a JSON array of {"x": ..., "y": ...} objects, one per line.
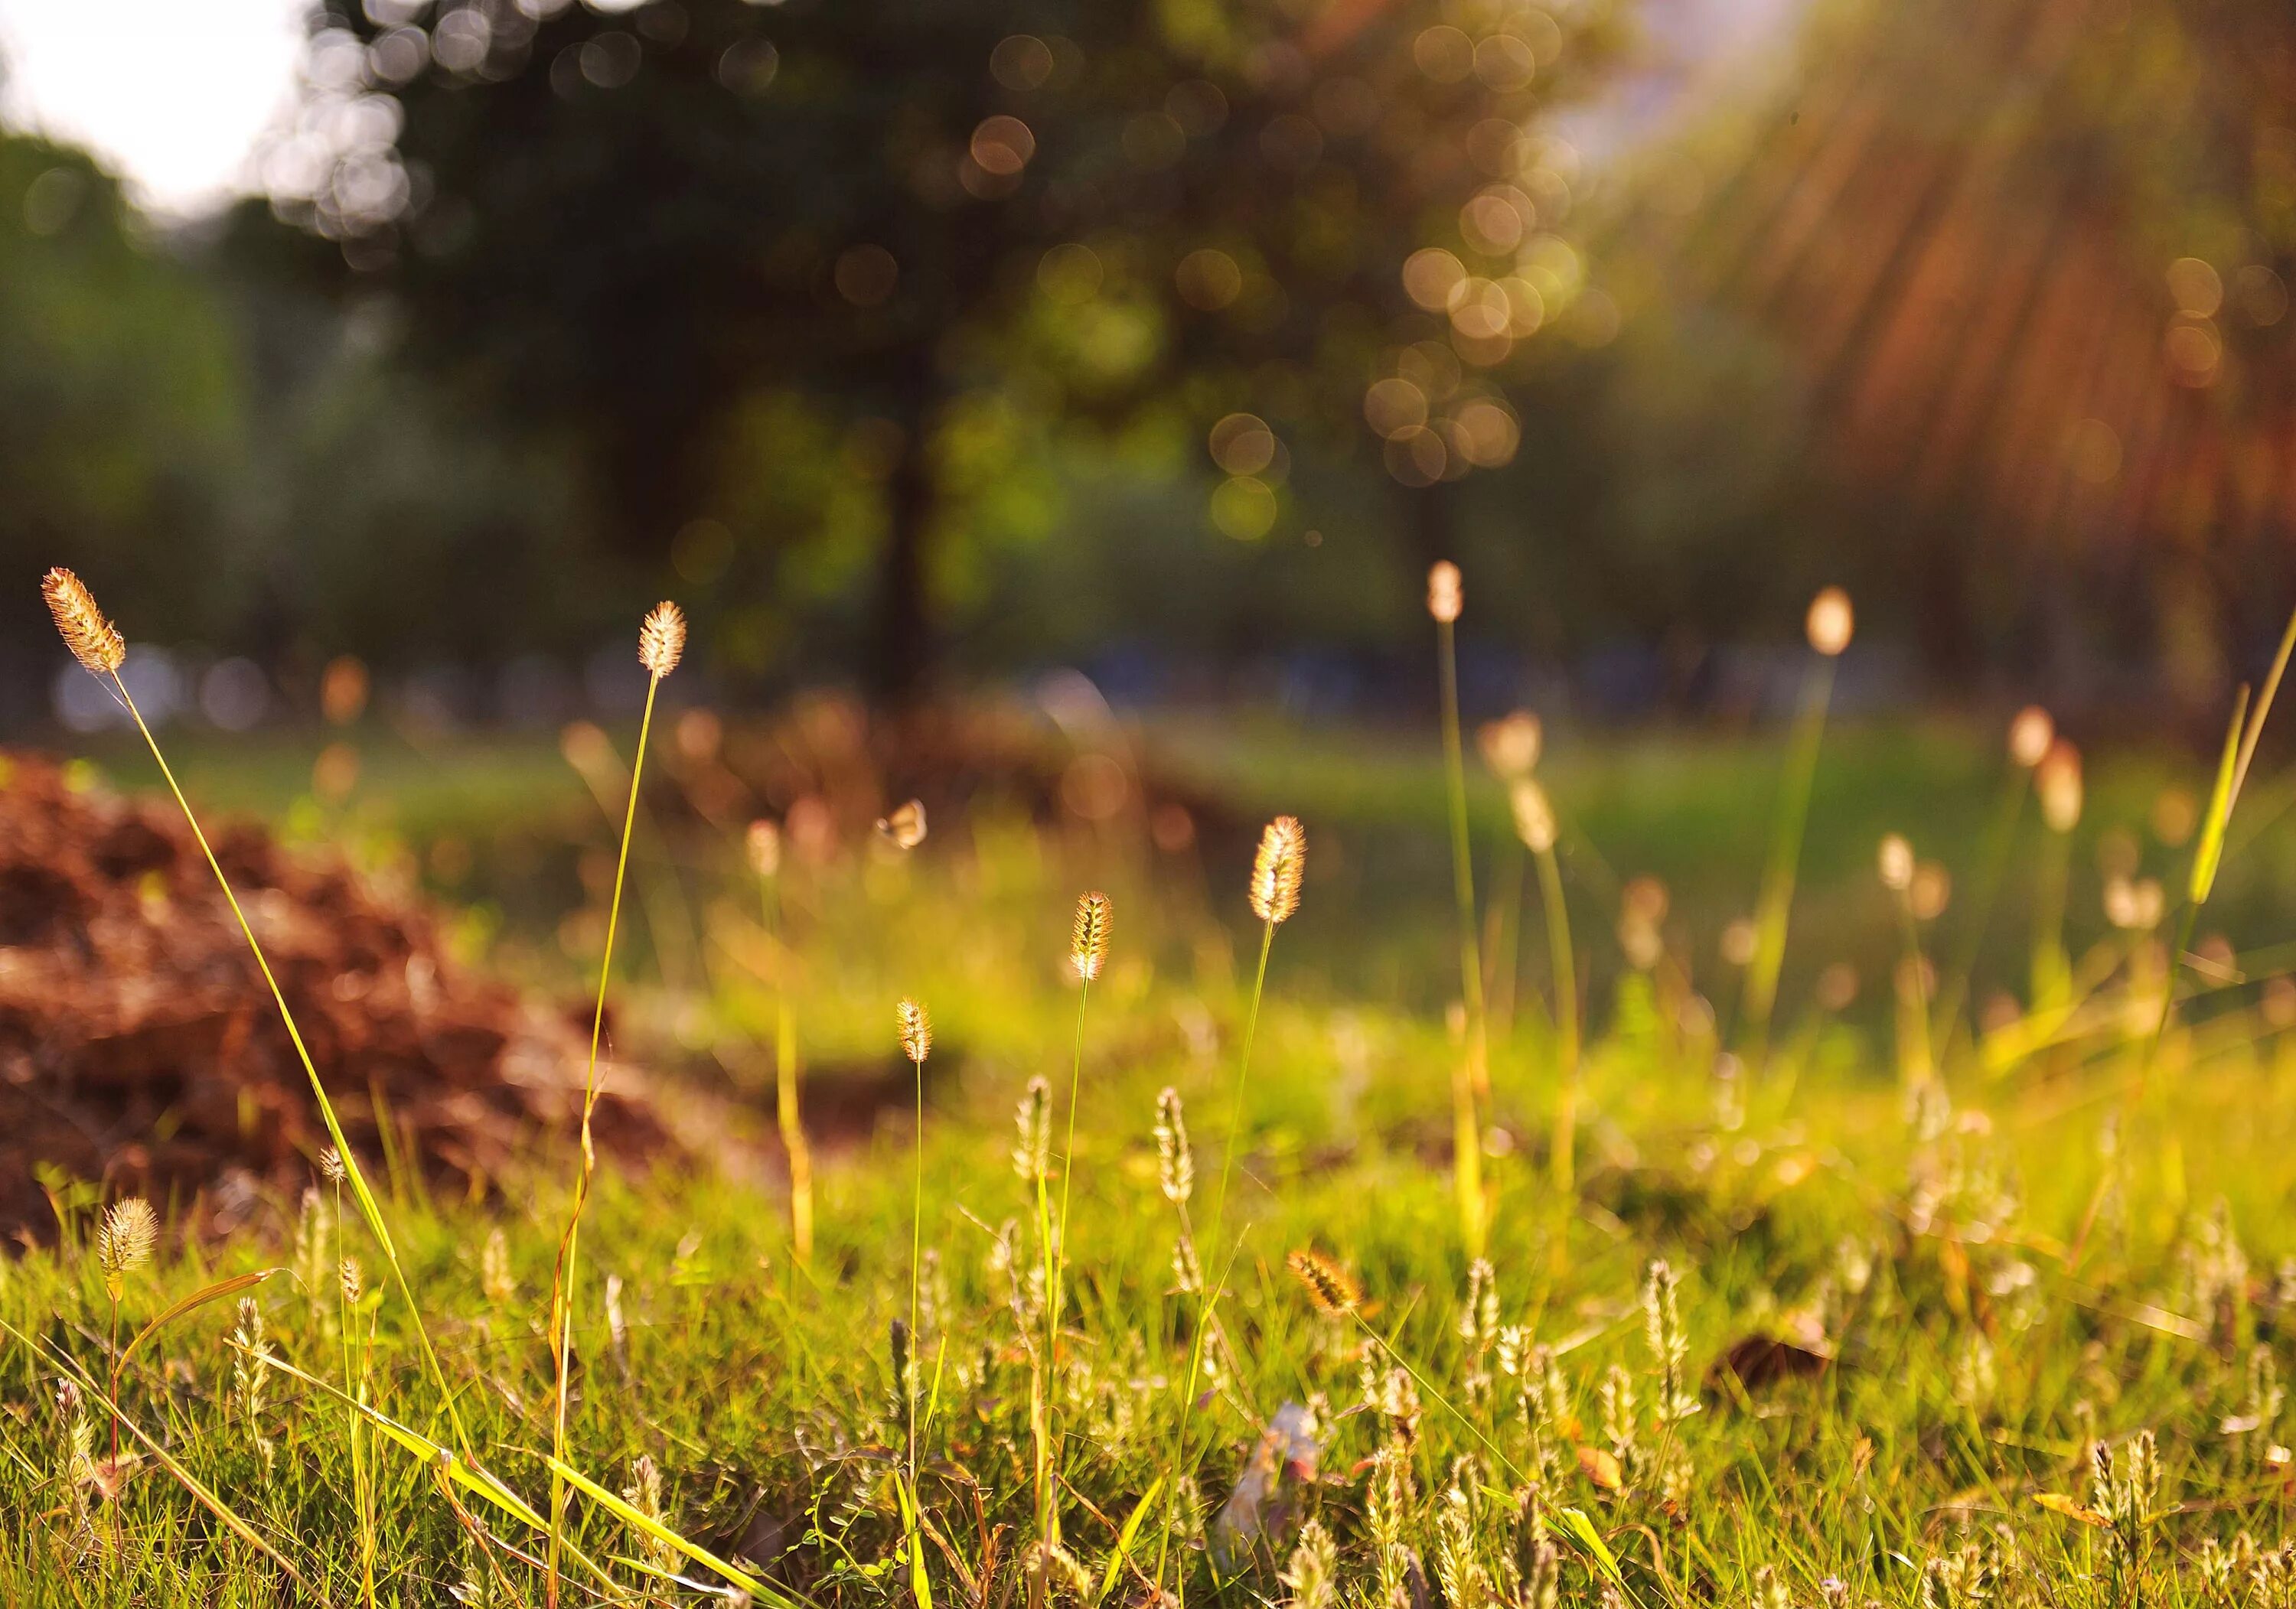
[
  {"x": 765, "y": 850},
  {"x": 2000, "y": 837},
  {"x": 353, "y": 1386},
  {"x": 369, "y": 1208},
  {"x": 916, "y": 1263},
  {"x": 915, "y": 1026},
  {"x": 1207, "y": 1297},
  {"x": 2050, "y": 982},
  {"x": 2241, "y": 738},
  {"x": 1565, "y": 1163},
  {"x": 117, "y": 1522},
  {"x": 1916, "y": 1060},
  {"x": 1470, "y": 1079},
  {"x": 1068, "y": 1164},
  {"x": 1054, "y": 1294},
  {"x": 563, "y": 1277},
  {"x": 2202, "y": 881},
  {"x": 1502, "y": 986},
  {"x": 792, "y": 1122},
  {"x": 1776, "y": 906}
]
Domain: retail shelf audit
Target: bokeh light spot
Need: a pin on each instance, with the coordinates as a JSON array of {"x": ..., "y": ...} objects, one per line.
[
  {"x": 2196, "y": 287},
  {"x": 1243, "y": 507},
  {"x": 865, "y": 275},
  {"x": 749, "y": 66},
  {"x": 1241, "y": 444},
  {"x": 1444, "y": 53},
  {"x": 1431, "y": 276},
  {"x": 1069, "y": 275},
  {"x": 1209, "y": 279},
  {"x": 1002, "y": 145},
  {"x": 1022, "y": 61},
  {"x": 1393, "y": 405}
]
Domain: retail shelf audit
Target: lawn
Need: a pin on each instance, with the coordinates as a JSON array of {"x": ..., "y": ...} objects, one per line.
[{"x": 1802, "y": 1327}]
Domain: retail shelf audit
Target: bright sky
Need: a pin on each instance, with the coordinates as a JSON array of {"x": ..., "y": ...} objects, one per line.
[{"x": 171, "y": 95}]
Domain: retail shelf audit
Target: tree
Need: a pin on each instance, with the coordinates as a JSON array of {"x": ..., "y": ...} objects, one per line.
[
  {"x": 2031, "y": 263},
  {"x": 121, "y": 405},
  {"x": 713, "y": 242}
]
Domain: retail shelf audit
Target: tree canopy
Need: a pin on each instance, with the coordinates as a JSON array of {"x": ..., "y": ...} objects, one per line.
[{"x": 819, "y": 278}]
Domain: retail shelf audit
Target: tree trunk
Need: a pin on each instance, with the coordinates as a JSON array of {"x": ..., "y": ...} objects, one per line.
[{"x": 903, "y": 652}]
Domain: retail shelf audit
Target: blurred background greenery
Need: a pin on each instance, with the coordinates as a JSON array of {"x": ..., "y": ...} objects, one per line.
[{"x": 921, "y": 346}]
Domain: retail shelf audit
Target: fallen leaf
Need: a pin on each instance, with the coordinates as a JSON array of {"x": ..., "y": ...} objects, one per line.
[
  {"x": 1763, "y": 1360},
  {"x": 1600, "y": 1467},
  {"x": 2058, "y": 1503}
]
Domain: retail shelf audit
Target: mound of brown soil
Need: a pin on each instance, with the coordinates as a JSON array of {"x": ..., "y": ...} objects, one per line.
[{"x": 139, "y": 1045}]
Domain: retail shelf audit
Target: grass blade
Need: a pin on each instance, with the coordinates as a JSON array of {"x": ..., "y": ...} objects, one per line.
[
  {"x": 93, "y": 1390},
  {"x": 2211, "y": 852},
  {"x": 199, "y": 1298},
  {"x": 914, "y": 1535},
  {"x": 1581, "y": 1530},
  {"x": 1125, "y": 1539},
  {"x": 654, "y": 1527}
]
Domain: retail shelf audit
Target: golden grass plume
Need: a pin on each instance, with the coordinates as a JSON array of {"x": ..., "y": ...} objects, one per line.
[
  {"x": 2031, "y": 733},
  {"x": 1511, "y": 745},
  {"x": 762, "y": 842},
  {"x": 661, "y": 640},
  {"x": 2058, "y": 781},
  {"x": 915, "y": 1026},
  {"x": 1277, "y": 869},
  {"x": 1088, "y": 945},
  {"x": 124, "y": 1241},
  {"x": 1534, "y": 815},
  {"x": 95, "y": 641},
  {"x": 1830, "y": 622},
  {"x": 1446, "y": 597},
  {"x": 1331, "y": 1287}
]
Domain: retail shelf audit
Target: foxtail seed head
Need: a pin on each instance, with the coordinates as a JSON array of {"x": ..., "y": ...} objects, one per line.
[
  {"x": 661, "y": 640},
  {"x": 95, "y": 641},
  {"x": 1032, "y": 1151},
  {"x": 1830, "y": 622},
  {"x": 915, "y": 1029},
  {"x": 123, "y": 1242},
  {"x": 1175, "y": 1160},
  {"x": 1329, "y": 1286},
  {"x": 1896, "y": 859},
  {"x": 763, "y": 843},
  {"x": 1534, "y": 815},
  {"x": 1088, "y": 945},
  {"x": 2058, "y": 781},
  {"x": 1277, "y": 869},
  {"x": 2030, "y": 733},
  {"x": 1510, "y": 744},
  {"x": 1444, "y": 596}
]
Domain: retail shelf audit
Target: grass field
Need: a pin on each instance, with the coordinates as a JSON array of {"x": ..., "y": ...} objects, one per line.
[{"x": 1809, "y": 1326}]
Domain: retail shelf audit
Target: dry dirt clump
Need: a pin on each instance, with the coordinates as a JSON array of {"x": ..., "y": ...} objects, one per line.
[{"x": 140, "y": 1047}]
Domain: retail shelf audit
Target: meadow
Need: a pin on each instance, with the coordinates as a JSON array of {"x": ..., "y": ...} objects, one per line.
[{"x": 1216, "y": 1242}]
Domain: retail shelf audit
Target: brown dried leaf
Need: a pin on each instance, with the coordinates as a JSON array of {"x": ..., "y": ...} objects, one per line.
[
  {"x": 1759, "y": 1362},
  {"x": 1601, "y": 1467},
  {"x": 2058, "y": 1503}
]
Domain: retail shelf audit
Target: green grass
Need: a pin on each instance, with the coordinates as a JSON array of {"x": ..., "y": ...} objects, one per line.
[{"x": 1977, "y": 1364}]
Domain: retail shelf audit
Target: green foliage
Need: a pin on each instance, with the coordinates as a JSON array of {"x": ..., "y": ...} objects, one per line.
[
  {"x": 866, "y": 279},
  {"x": 1977, "y": 1346}
]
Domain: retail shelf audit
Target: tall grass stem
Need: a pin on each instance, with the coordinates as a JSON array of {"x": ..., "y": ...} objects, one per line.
[
  {"x": 562, "y": 1288},
  {"x": 1471, "y": 1081}
]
